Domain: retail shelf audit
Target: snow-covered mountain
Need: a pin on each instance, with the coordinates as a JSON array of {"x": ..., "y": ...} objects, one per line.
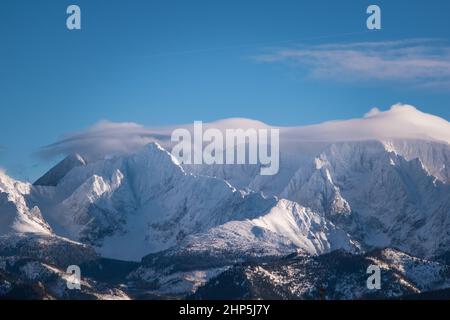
[
  {"x": 15, "y": 214},
  {"x": 54, "y": 175},
  {"x": 337, "y": 276},
  {"x": 149, "y": 200},
  {"x": 355, "y": 185},
  {"x": 378, "y": 195}
]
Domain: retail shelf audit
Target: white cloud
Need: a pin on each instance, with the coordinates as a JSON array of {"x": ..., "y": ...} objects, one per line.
[
  {"x": 372, "y": 112},
  {"x": 422, "y": 62},
  {"x": 107, "y": 138},
  {"x": 102, "y": 139},
  {"x": 400, "y": 121}
]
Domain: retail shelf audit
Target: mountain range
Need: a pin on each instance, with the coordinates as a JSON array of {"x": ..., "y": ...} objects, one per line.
[{"x": 141, "y": 225}]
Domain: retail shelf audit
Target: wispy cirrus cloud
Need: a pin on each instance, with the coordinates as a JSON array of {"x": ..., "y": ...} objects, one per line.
[{"x": 421, "y": 62}]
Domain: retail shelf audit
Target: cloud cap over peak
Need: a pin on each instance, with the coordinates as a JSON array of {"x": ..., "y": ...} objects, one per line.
[
  {"x": 105, "y": 138},
  {"x": 401, "y": 121}
]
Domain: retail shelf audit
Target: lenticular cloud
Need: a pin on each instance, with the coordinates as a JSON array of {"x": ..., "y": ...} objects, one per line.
[
  {"x": 400, "y": 121},
  {"x": 105, "y": 138}
]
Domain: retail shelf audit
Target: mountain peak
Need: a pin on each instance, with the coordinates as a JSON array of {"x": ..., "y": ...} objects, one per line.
[{"x": 54, "y": 175}]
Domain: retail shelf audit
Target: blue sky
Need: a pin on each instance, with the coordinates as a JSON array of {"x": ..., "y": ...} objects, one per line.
[{"x": 168, "y": 62}]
